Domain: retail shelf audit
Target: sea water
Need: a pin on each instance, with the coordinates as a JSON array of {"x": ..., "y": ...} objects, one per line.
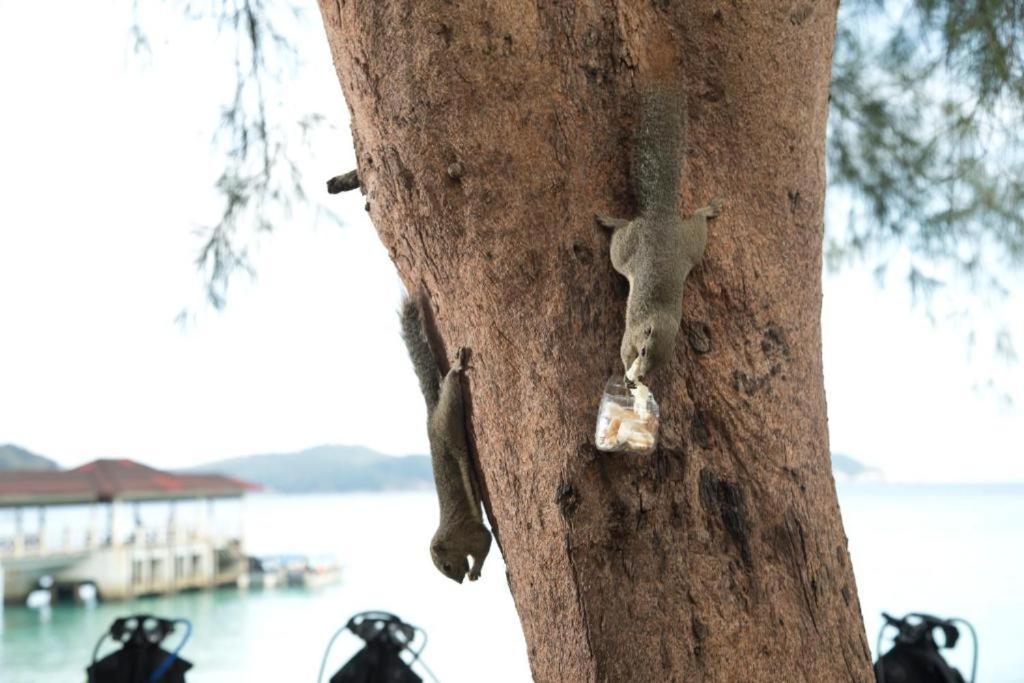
[{"x": 951, "y": 551}]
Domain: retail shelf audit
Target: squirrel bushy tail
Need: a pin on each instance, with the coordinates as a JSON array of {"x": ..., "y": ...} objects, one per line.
[
  {"x": 656, "y": 160},
  {"x": 423, "y": 362}
]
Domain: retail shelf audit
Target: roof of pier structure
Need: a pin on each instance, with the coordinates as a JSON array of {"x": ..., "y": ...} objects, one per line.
[{"x": 104, "y": 481}]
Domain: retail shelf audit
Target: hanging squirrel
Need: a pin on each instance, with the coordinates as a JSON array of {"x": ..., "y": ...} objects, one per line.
[
  {"x": 656, "y": 250},
  {"x": 461, "y": 531}
]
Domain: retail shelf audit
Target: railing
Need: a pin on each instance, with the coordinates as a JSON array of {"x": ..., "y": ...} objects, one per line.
[{"x": 30, "y": 546}]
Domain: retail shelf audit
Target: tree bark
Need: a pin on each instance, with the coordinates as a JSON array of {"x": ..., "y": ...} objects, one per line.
[{"x": 487, "y": 135}]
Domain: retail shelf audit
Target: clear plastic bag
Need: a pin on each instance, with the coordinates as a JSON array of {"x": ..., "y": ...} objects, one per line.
[{"x": 627, "y": 419}]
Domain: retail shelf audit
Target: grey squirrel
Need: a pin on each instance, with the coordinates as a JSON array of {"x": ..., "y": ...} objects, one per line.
[
  {"x": 461, "y": 531},
  {"x": 656, "y": 250}
]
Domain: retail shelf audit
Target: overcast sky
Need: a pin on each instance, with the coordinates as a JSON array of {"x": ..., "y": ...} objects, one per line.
[{"x": 106, "y": 169}]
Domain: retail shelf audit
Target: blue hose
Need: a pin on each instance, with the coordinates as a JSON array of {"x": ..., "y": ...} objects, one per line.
[{"x": 159, "y": 672}]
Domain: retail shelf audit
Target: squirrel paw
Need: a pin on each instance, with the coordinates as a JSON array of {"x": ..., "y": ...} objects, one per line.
[
  {"x": 461, "y": 358},
  {"x": 609, "y": 223},
  {"x": 713, "y": 208},
  {"x": 474, "y": 573}
]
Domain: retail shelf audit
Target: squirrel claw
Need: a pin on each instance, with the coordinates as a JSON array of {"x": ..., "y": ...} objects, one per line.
[{"x": 461, "y": 356}]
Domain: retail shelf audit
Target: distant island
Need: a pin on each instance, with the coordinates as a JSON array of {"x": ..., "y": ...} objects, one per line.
[
  {"x": 17, "y": 458},
  {"x": 849, "y": 470},
  {"x": 356, "y": 468},
  {"x": 339, "y": 469},
  {"x": 324, "y": 469}
]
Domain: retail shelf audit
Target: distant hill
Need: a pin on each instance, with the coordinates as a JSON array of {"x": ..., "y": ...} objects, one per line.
[
  {"x": 350, "y": 468},
  {"x": 847, "y": 469},
  {"x": 328, "y": 469},
  {"x": 16, "y": 458}
]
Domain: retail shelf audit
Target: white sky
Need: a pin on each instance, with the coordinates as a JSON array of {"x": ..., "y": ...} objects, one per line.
[{"x": 105, "y": 170}]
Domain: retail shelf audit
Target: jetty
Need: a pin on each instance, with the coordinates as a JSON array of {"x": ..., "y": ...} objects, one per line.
[{"x": 119, "y": 529}]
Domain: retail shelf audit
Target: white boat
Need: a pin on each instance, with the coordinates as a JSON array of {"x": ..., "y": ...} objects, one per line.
[
  {"x": 267, "y": 571},
  {"x": 317, "y": 572}
]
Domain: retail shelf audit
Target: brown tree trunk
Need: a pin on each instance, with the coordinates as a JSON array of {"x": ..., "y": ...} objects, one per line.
[{"x": 487, "y": 135}]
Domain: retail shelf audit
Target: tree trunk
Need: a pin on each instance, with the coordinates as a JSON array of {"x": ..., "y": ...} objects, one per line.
[{"x": 487, "y": 135}]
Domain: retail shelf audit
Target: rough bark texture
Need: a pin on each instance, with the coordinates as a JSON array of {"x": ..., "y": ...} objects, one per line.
[{"x": 487, "y": 135}]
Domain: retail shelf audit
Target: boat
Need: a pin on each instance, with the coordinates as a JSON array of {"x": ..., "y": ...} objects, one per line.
[
  {"x": 268, "y": 571},
  {"x": 317, "y": 572}
]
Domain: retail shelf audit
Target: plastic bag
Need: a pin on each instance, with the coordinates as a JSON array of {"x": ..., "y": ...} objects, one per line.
[{"x": 627, "y": 419}]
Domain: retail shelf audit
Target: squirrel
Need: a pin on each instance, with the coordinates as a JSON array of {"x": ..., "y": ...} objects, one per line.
[
  {"x": 656, "y": 250},
  {"x": 461, "y": 531}
]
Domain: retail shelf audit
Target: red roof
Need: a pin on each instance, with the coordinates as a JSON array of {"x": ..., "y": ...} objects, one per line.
[{"x": 109, "y": 480}]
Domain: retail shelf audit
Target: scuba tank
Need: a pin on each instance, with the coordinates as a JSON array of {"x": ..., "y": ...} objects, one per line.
[
  {"x": 915, "y": 657},
  {"x": 385, "y": 638},
  {"x": 140, "y": 659}
]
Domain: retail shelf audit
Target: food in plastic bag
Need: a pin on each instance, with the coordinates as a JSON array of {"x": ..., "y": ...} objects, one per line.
[{"x": 627, "y": 419}]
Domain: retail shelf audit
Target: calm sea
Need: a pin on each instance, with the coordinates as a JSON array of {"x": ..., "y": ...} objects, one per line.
[{"x": 954, "y": 550}]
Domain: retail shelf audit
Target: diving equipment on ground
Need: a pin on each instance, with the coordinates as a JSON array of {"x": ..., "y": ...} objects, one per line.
[
  {"x": 386, "y": 639},
  {"x": 915, "y": 657},
  {"x": 141, "y": 659}
]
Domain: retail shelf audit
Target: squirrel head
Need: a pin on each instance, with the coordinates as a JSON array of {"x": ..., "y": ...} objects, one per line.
[
  {"x": 449, "y": 561},
  {"x": 649, "y": 344}
]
